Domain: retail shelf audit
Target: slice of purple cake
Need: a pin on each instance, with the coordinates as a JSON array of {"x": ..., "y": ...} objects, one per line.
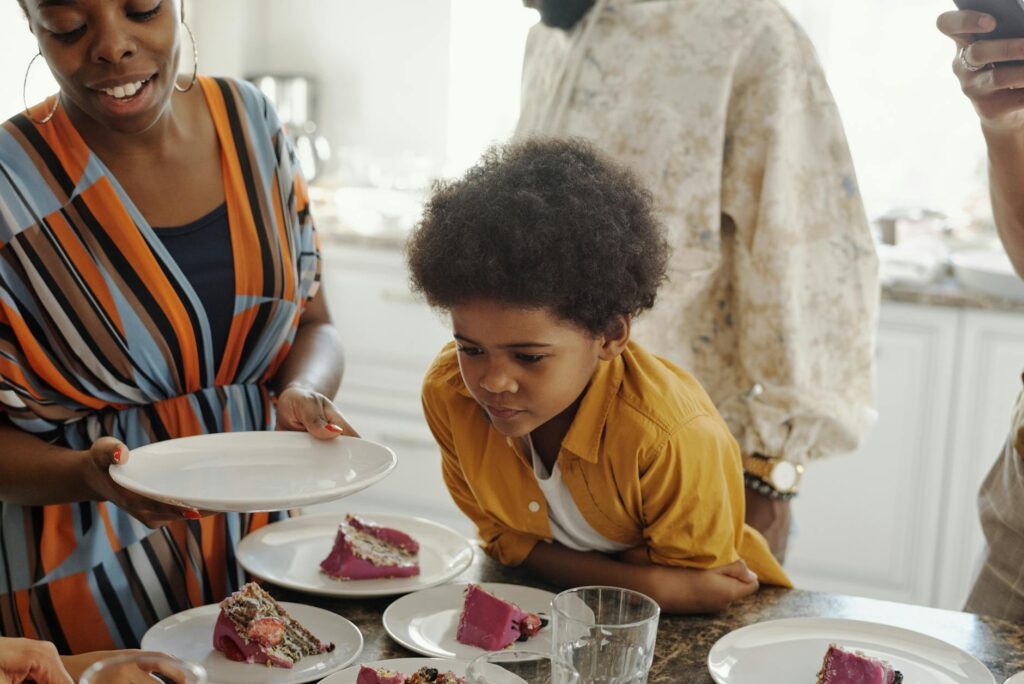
[
  {"x": 363, "y": 550},
  {"x": 842, "y": 666}
]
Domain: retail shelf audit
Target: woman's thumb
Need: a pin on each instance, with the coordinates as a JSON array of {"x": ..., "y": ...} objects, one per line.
[{"x": 109, "y": 451}]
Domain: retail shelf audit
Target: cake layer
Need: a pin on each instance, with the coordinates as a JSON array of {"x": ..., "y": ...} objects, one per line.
[
  {"x": 366, "y": 551},
  {"x": 842, "y": 666},
  {"x": 491, "y": 623},
  {"x": 424, "y": 675},
  {"x": 368, "y": 675},
  {"x": 387, "y": 535},
  {"x": 252, "y": 627}
]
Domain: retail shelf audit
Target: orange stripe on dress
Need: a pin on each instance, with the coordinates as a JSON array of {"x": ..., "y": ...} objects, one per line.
[
  {"x": 214, "y": 544},
  {"x": 108, "y": 525},
  {"x": 65, "y": 141},
  {"x": 41, "y": 365},
  {"x": 113, "y": 218},
  {"x": 178, "y": 417},
  {"x": 80, "y": 618},
  {"x": 241, "y": 324},
  {"x": 85, "y": 264},
  {"x": 57, "y": 536},
  {"x": 28, "y": 628},
  {"x": 248, "y": 260}
]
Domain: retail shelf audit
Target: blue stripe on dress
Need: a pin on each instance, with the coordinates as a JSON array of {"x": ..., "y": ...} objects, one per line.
[{"x": 24, "y": 202}]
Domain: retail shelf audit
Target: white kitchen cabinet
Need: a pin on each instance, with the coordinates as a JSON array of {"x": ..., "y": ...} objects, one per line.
[
  {"x": 866, "y": 522},
  {"x": 898, "y": 518},
  {"x": 988, "y": 381},
  {"x": 390, "y": 338},
  {"x": 895, "y": 520}
]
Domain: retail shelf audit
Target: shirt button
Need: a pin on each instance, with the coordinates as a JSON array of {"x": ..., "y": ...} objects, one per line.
[{"x": 534, "y": 506}]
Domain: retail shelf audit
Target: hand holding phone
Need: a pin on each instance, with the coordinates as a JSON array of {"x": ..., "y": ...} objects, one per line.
[{"x": 1009, "y": 16}]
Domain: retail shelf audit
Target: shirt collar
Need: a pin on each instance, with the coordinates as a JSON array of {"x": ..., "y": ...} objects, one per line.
[{"x": 584, "y": 437}]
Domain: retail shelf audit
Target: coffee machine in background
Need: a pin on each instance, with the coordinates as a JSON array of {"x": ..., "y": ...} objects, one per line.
[{"x": 294, "y": 98}]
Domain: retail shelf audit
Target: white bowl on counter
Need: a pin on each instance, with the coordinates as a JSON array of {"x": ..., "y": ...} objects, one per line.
[{"x": 988, "y": 271}]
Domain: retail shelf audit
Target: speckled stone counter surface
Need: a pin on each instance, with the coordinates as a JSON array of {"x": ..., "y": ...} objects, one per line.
[
  {"x": 950, "y": 293},
  {"x": 684, "y": 642}
]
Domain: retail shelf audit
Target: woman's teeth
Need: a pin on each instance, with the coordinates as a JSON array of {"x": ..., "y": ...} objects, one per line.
[{"x": 126, "y": 90}]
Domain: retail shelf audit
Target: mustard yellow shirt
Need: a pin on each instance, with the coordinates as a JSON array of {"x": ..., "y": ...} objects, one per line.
[{"x": 647, "y": 459}]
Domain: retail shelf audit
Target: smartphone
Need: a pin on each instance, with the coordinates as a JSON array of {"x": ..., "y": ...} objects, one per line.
[{"x": 1009, "y": 15}]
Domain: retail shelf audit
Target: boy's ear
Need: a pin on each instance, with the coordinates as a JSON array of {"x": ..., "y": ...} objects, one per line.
[{"x": 613, "y": 342}]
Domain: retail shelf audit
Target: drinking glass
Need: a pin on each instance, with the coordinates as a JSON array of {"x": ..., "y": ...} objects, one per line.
[
  {"x": 605, "y": 634},
  {"x": 163, "y": 668},
  {"x": 519, "y": 667}
]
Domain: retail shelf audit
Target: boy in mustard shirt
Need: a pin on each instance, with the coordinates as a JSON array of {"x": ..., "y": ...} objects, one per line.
[{"x": 577, "y": 453}]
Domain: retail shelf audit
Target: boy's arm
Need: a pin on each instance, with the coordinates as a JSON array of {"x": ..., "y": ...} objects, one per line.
[
  {"x": 693, "y": 505},
  {"x": 676, "y": 590}
]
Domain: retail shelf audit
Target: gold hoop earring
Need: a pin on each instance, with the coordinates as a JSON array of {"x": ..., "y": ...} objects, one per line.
[
  {"x": 24, "y": 97},
  {"x": 195, "y": 62}
]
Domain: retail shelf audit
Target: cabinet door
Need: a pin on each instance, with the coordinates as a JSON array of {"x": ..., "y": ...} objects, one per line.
[
  {"x": 865, "y": 523},
  {"x": 390, "y": 338},
  {"x": 988, "y": 382}
]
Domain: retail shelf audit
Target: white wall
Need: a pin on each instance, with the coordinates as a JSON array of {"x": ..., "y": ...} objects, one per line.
[
  {"x": 382, "y": 64},
  {"x": 17, "y": 46},
  {"x": 914, "y": 137}
]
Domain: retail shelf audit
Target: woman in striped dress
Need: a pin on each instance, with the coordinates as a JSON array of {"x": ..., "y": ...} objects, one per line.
[{"x": 159, "y": 274}]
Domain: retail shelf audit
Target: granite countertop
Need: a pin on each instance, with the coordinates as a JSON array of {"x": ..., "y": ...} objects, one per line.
[{"x": 684, "y": 642}]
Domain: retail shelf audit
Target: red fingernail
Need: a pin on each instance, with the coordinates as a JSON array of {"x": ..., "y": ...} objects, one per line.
[
  {"x": 334, "y": 428},
  {"x": 117, "y": 455},
  {"x": 191, "y": 515}
]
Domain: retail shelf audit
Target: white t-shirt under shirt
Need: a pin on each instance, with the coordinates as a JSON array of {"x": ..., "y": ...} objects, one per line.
[{"x": 568, "y": 526}]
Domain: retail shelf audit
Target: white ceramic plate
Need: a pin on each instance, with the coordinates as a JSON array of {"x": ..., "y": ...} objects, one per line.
[
  {"x": 253, "y": 471},
  {"x": 425, "y": 622},
  {"x": 1016, "y": 679},
  {"x": 288, "y": 553},
  {"x": 189, "y": 635},
  {"x": 792, "y": 651},
  {"x": 404, "y": 665}
]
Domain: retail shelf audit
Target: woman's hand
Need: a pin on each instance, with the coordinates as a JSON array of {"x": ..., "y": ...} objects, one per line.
[
  {"x": 29, "y": 660},
  {"x": 108, "y": 451},
  {"x": 129, "y": 673},
  {"x": 997, "y": 89},
  {"x": 302, "y": 409}
]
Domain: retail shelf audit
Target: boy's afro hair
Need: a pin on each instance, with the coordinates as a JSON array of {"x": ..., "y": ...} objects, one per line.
[{"x": 544, "y": 223}]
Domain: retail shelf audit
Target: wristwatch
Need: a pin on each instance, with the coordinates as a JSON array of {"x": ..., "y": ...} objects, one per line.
[{"x": 774, "y": 477}]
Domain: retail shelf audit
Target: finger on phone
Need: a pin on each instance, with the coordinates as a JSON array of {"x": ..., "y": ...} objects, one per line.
[{"x": 964, "y": 24}]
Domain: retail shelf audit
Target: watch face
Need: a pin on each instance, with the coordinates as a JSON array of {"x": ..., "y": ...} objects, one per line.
[{"x": 784, "y": 476}]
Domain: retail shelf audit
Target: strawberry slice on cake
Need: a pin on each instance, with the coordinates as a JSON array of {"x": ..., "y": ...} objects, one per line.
[
  {"x": 363, "y": 550},
  {"x": 491, "y": 623},
  {"x": 253, "y": 628}
]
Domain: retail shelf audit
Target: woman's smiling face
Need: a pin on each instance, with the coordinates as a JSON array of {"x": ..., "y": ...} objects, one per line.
[
  {"x": 115, "y": 60},
  {"x": 523, "y": 366}
]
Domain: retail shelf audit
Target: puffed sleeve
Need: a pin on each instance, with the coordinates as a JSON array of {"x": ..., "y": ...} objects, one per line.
[{"x": 805, "y": 288}]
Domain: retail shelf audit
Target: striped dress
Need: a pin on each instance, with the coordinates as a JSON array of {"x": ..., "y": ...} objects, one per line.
[{"x": 101, "y": 334}]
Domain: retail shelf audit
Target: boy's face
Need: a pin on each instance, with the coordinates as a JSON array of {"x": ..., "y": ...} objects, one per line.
[{"x": 524, "y": 366}]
